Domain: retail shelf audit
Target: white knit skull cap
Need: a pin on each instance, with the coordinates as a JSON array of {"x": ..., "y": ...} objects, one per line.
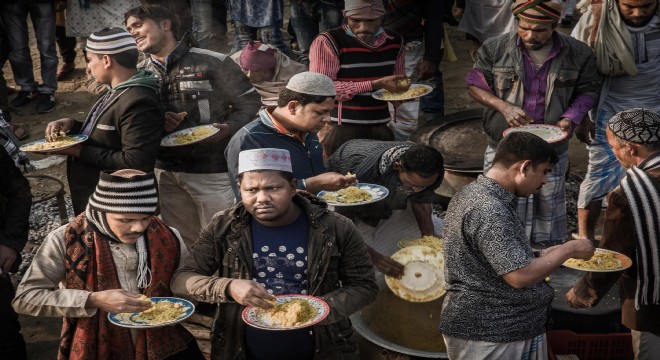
[
  {"x": 312, "y": 83},
  {"x": 264, "y": 159}
]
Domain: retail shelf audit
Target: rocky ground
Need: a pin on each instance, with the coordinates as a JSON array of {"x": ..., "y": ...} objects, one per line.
[{"x": 73, "y": 100}]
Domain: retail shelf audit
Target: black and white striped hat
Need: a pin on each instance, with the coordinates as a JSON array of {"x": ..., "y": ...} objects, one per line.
[
  {"x": 120, "y": 195},
  {"x": 110, "y": 41}
]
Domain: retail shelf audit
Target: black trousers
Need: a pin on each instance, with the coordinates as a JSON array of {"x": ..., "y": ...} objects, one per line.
[{"x": 12, "y": 345}]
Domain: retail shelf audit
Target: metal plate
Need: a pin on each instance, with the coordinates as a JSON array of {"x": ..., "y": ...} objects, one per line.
[
  {"x": 549, "y": 133},
  {"x": 78, "y": 139},
  {"x": 256, "y": 318},
  {"x": 171, "y": 139},
  {"x": 128, "y": 319},
  {"x": 377, "y": 192},
  {"x": 379, "y": 94}
]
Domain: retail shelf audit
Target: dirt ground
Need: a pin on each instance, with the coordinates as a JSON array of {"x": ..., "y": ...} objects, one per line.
[{"x": 72, "y": 100}]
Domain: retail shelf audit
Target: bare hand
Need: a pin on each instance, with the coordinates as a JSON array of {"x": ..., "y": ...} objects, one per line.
[
  {"x": 385, "y": 264},
  {"x": 172, "y": 120},
  {"x": 250, "y": 293},
  {"x": 117, "y": 301},
  {"x": 586, "y": 131},
  {"x": 222, "y": 134},
  {"x": 581, "y": 249},
  {"x": 426, "y": 69},
  {"x": 565, "y": 124},
  {"x": 516, "y": 116},
  {"x": 58, "y": 127},
  {"x": 330, "y": 181},
  {"x": 392, "y": 83},
  {"x": 574, "y": 301},
  {"x": 7, "y": 258}
]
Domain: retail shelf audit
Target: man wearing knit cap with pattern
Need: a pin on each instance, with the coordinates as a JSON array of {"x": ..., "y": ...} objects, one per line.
[
  {"x": 124, "y": 125},
  {"x": 536, "y": 75},
  {"x": 303, "y": 107},
  {"x": 100, "y": 263},
  {"x": 631, "y": 228},
  {"x": 360, "y": 57},
  {"x": 267, "y": 68},
  {"x": 278, "y": 241}
]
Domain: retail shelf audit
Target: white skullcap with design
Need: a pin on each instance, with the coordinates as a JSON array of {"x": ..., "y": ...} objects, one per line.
[{"x": 264, "y": 159}]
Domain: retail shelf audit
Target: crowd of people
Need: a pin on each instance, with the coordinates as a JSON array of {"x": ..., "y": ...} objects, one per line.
[{"x": 234, "y": 220}]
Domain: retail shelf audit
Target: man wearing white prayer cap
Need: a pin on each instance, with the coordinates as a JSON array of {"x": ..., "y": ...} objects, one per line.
[
  {"x": 303, "y": 108},
  {"x": 278, "y": 241},
  {"x": 124, "y": 126},
  {"x": 102, "y": 262}
]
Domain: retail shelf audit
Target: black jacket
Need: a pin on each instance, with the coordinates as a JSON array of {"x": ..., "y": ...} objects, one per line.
[
  {"x": 15, "y": 204},
  {"x": 126, "y": 136},
  {"x": 211, "y": 88}
]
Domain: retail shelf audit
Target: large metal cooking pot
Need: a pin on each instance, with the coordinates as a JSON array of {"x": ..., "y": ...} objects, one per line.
[
  {"x": 459, "y": 137},
  {"x": 402, "y": 326}
]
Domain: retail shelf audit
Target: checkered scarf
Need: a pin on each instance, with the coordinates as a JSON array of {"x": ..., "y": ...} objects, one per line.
[{"x": 11, "y": 143}]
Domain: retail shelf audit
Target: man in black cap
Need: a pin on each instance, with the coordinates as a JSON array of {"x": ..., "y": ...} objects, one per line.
[
  {"x": 100, "y": 263},
  {"x": 631, "y": 227},
  {"x": 124, "y": 126}
]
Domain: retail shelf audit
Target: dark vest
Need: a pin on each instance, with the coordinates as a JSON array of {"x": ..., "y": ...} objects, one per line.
[{"x": 374, "y": 63}]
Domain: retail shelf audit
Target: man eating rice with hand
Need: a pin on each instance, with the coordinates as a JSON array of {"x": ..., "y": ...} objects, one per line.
[{"x": 100, "y": 263}]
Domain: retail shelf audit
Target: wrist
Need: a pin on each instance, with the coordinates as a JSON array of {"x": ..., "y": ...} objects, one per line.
[{"x": 91, "y": 300}]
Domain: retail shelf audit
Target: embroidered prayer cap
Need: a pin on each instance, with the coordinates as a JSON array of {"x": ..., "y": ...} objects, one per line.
[
  {"x": 110, "y": 41},
  {"x": 538, "y": 11},
  {"x": 637, "y": 125},
  {"x": 264, "y": 159},
  {"x": 312, "y": 83},
  {"x": 364, "y": 9},
  {"x": 257, "y": 56},
  {"x": 125, "y": 192}
]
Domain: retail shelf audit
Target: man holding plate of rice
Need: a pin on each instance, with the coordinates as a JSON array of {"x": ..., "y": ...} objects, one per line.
[
  {"x": 275, "y": 242},
  {"x": 631, "y": 228},
  {"x": 100, "y": 263}
]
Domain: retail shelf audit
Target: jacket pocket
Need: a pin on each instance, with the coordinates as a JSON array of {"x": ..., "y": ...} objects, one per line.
[
  {"x": 567, "y": 78},
  {"x": 504, "y": 81},
  {"x": 344, "y": 341}
]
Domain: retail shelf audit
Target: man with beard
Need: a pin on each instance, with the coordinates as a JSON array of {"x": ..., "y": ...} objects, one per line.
[
  {"x": 100, "y": 263},
  {"x": 277, "y": 241},
  {"x": 536, "y": 75},
  {"x": 198, "y": 87},
  {"x": 631, "y": 228},
  {"x": 360, "y": 57},
  {"x": 627, "y": 46},
  {"x": 304, "y": 106},
  {"x": 497, "y": 303}
]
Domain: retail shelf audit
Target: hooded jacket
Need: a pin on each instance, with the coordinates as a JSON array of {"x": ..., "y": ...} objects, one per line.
[{"x": 126, "y": 127}]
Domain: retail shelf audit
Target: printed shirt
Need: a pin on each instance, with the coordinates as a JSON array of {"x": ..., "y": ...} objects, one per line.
[{"x": 485, "y": 239}]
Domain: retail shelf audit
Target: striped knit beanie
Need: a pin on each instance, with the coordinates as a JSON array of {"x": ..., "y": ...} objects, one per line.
[
  {"x": 639, "y": 126},
  {"x": 538, "y": 11},
  {"x": 110, "y": 41}
]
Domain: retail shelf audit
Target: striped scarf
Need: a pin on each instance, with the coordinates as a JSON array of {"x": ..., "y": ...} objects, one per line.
[{"x": 642, "y": 194}]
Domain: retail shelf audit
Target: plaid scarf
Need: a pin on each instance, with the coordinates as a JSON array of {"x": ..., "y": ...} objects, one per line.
[
  {"x": 642, "y": 194},
  {"x": 11, "y": 143}
]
